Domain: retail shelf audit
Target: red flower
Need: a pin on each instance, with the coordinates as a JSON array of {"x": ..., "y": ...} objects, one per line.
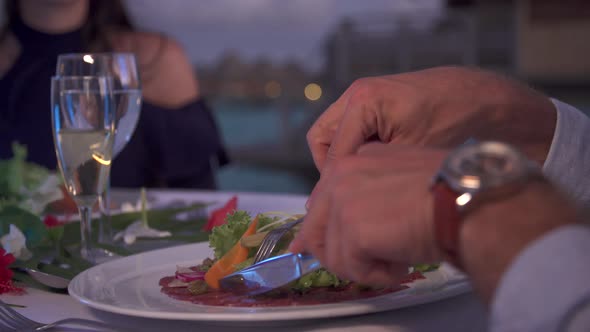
[
  {"x": 9, "y": 287},
  {"x": 6, "y": 285},
  {"x": 5, "y": 261},
  {"x": 51, "y": 221},
  {"x": 218, "y": 216}
]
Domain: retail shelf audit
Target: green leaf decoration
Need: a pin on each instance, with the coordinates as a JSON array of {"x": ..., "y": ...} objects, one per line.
[
  {"x": 163, "y": 219},
  {"x": 30, "y": 224},
  {"x": 183, "y": 231},
  {"x": 55, "y": 234},
  {"x": 56, "y": 250},
  {"x": 12, "y": 172}
]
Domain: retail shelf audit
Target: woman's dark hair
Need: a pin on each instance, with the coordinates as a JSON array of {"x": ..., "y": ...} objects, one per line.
[{"x": 103, "y": 15}]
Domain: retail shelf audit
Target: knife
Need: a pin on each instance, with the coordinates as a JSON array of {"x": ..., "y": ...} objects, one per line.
[{"x": 269, "y": 274}]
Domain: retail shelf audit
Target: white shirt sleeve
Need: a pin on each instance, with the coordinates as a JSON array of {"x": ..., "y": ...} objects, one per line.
[
  {"x": 568, "y": 161},
  {"x": 547, "y": 287}
]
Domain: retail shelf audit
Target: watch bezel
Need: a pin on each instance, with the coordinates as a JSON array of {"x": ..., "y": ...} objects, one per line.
[{"x": 469, "y": 183}]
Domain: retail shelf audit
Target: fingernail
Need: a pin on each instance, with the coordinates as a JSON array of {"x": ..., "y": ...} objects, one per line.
[{"x": 307, "y": 204}]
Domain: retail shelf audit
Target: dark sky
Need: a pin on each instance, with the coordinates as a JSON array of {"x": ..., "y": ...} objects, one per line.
[{"x": 278, "y": 29}]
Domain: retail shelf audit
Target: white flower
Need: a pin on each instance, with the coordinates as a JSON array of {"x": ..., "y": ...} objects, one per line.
[
  {"x": 38, "y": 198},
  {"x": 15, "y": 243},
  {"x": 129, "y": 207},
  {"x": 139, "y": 229}
]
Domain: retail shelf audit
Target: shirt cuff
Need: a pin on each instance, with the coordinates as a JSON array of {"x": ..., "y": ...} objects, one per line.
[
  {"x": 568, "y": 161},
  {"x": 544, "y": 283}
]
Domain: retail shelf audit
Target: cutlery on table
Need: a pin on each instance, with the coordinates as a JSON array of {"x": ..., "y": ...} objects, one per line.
[
  {"x": 11, "y": 320},
  {"x": 46, "y": 279},
  {"x": 272, "y": 238},
  {"x": 269, "y": 274}
]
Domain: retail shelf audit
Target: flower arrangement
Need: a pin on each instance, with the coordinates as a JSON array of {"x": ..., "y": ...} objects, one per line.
[
  {"x": 26, "y": 189},
  {"x": 30, "y": 229},
  {"x": 6, "y": 283}
]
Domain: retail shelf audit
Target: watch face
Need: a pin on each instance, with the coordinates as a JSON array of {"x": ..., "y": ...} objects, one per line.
[{"x": 482, "y": 165}]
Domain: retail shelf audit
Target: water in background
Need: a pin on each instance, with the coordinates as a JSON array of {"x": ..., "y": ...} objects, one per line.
[
  {"x": 244, "y": 124},
  {"x": 247, "y": 124}
]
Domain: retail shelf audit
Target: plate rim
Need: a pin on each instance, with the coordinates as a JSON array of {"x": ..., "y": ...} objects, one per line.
[{"x": 262, "y": 314}]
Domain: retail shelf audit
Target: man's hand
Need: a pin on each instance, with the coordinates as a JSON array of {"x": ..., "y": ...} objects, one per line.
[
  {"x": 439, "y": 107},
  {"x": 372, "y": 218}
]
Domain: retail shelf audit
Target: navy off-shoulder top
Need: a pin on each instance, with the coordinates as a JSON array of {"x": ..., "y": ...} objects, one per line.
[{"x": 170, "y": 147}]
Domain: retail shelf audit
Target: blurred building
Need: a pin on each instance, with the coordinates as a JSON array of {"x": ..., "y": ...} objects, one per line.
[
  {"x": 235, "y": 78},
  {"x": 464, "y": 33},
  {"x": 543, "y": 41},
  {"x": 553, "y": 41}
]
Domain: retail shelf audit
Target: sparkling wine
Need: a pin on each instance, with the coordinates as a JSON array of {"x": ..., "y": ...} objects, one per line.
[{"x": 85, "y": 159}]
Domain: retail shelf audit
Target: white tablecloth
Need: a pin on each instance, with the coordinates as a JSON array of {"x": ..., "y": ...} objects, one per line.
[{"x": 460, "y": 313}]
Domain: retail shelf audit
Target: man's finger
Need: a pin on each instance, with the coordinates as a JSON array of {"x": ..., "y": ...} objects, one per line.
[
  {"x": 333, "y": 259},
  {"x": 351, "y": 134},
  {"x": 321, "y": 134},
  {"x": 311, "y": 237},
  {"x": 356, "y": 127}
]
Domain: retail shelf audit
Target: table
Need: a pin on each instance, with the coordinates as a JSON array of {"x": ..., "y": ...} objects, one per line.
[{"x": 460, "y": 313}]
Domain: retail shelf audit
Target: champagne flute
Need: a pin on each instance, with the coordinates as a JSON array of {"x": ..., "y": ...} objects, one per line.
[
  {"x": 122, "y": 67},
  {"x": 83, "y": 125}
]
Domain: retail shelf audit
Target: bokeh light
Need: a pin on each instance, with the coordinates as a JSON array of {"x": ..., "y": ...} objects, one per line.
[{"x": 313, "y": 91}]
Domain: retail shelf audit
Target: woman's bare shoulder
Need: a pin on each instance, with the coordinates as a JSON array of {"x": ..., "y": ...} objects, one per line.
[{"x": 168, "y": 76}]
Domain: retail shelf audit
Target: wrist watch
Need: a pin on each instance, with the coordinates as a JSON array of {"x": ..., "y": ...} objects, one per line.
[{"x": 472, "y": 174}]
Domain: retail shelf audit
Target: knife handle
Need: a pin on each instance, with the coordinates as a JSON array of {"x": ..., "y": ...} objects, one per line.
[{"x": 308, "y": 263}]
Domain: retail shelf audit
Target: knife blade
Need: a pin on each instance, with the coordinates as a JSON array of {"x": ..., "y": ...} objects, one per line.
[{"x": 269, "y": 274}]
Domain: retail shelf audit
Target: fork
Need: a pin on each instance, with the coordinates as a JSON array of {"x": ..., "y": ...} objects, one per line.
[
  {"x": 13, "y": 321},
  {"x": 272, "y": 238}
]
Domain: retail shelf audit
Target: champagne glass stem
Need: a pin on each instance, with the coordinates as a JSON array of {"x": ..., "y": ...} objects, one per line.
[
  {"x": 86, "y": 232},
  {"x": 105, "y": 229}
]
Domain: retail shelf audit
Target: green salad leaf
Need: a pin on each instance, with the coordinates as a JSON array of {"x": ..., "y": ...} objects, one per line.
[
  {"x": 224, "y": 237},
  {"x": 425, "y": 267},
  {"x": 318, "y": 278}
]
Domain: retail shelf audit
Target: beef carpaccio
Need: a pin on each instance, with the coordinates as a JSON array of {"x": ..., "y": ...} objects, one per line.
[{"x": 279, "y": 298}]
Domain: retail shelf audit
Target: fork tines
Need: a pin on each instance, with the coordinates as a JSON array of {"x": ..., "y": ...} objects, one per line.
[{"x": 272, "y": 238}]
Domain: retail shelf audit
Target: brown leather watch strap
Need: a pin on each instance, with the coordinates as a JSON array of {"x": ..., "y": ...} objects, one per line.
[{"x": 447, "y": 221}]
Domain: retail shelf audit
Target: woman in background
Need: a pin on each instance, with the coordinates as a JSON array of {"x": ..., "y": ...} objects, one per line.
[{"x": 176, "y": 141}]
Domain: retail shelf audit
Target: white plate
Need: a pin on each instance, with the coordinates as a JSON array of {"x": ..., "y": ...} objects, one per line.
[{"x": 129, "y": 286}]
